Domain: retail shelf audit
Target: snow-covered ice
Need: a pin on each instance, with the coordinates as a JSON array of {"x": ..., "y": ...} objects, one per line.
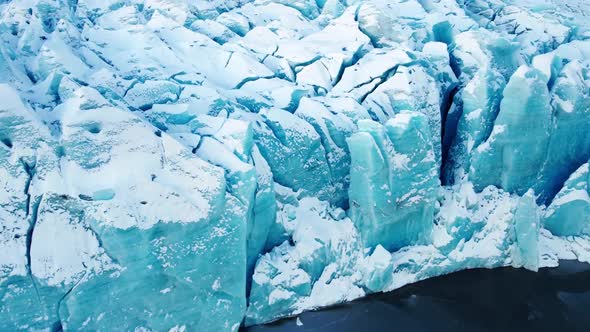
[{"x": 179, "y": 165}]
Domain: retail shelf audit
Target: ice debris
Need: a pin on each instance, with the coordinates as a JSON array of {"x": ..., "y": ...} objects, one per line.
[{"x": 174, "y": 165}]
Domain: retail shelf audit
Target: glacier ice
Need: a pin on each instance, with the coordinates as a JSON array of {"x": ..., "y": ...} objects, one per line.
[
  {"x": 526, "y": 227},
  {"x": 389, "y": 204},
  {"x": 175, "y": 165},
  {"x": 568, "y": 213},
  {"x": 515, "y": 149},
  {"x": 78, "y": 196}
]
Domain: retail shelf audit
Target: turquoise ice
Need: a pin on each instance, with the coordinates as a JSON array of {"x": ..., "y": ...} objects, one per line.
[
  {"x": 394, "y": 181},
  {"x": 175, "y": 165},
  {"x": 515, "y": 151},
  {"x": 568, "y": 213},
  {"x": 526, "y": 225}
]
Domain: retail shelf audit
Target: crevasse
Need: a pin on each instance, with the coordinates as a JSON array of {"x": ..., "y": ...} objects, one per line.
[{"x": 180, "y": 165}]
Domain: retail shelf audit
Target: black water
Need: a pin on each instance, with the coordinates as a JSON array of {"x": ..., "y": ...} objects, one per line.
[{"x": 507, "y": 299}]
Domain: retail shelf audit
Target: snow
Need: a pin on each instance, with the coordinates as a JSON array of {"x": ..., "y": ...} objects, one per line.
[
  {"x": 575, "y": 195},
  {"x": 305, "y": 153},
  {"x": 374, "y": 65},
  {"x": 60, "y": 264}
]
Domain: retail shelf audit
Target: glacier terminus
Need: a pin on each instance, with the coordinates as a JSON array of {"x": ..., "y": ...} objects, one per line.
[{"x": 201, "y": 165}]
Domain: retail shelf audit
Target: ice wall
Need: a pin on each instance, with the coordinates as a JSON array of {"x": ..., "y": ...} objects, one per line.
[{"x": 173, "y": 165}]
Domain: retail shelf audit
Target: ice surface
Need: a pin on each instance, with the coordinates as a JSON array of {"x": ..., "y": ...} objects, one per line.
[
  {"x": 171, "y": 165},
  {"x": 514, "y": 151},
  {"x": 394, "y": 181},
  {"x": 568, "y": 213},
  {"x": 526, "y": 225}
]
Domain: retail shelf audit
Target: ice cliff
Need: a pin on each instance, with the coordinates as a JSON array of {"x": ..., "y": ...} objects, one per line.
[{"x": 195, "y": 165}]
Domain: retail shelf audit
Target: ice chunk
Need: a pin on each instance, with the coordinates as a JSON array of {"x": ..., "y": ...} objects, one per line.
[
  {"x": 527, "y": 225},
  {"x": 484, "y": 61},
  {"x": 516, "y": 148},
  {"x": 295, "y": 153},
  {"x": 410, "y": 88},
  {"x": 265, "y": 211},
  {"x": 394, "y": 181},
  {"x": 333, "y": 129},
  {"x": 569, "y": 213},
  {"x": 379, "y": 269},
  {"x": 569, "y": 143}
]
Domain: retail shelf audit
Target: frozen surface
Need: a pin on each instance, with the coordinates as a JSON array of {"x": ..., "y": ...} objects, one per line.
[{"x": 175, "y": 165}]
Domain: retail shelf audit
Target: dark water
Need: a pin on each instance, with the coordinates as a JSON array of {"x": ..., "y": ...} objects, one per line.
[{"x": 507, "y": 299}]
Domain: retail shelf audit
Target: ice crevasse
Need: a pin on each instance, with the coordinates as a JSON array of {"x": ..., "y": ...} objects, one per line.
[{"x": 198, "y": 165}]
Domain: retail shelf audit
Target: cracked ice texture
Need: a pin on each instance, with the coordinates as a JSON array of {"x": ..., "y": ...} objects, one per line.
[{"x": 192, "y": 165}]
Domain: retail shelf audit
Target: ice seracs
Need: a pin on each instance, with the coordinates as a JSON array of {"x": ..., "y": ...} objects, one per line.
[
  {"x": 171, "y": 165},
  {"x": 568, "y": 213},
  {"x": 394, "y": 181},
  {"x": 516, "y": 147}
]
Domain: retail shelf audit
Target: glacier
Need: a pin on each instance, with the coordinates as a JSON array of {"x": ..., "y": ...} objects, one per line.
[{"x": 200, "y": 165}]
